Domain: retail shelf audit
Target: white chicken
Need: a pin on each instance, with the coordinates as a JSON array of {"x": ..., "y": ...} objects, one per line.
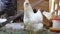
[{"x": 32, "y": 21}]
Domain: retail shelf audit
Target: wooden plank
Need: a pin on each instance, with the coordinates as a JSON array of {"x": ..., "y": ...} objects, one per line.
[{"x": 41, "y": 4}]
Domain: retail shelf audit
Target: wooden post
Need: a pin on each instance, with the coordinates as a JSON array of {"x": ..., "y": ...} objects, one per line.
[
  {"x": 56, "y": 6},
  {"x": 53, "y": 6}
]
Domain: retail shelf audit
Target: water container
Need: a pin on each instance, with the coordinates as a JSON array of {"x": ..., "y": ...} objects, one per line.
[{"x": 56, "y": 25}]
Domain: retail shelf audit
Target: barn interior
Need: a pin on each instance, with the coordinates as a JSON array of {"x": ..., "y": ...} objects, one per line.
[{"x": 30, "y": 16}]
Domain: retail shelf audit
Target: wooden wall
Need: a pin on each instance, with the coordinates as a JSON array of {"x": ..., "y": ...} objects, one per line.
[{"x": 43, "y": 5}]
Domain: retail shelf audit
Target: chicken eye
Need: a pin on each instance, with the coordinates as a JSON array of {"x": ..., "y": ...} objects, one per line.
[{"x": 26, "y": 3}]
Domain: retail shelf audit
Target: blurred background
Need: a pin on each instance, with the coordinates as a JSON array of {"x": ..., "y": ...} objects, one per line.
[{"x": 12, "y": 11}]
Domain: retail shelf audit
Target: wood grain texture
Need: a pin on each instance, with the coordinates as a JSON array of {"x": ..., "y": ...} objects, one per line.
[{"x": 44, "y": 5}]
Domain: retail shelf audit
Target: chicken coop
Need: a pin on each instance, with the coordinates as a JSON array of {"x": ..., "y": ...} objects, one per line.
[{"x": 29, "y": 16}]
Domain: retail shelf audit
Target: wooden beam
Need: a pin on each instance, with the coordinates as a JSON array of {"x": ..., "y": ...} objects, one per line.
[
  {"x": 11, "y": 18},
  {"x": 36, "y": 2},
  {"x": 56, "y": 6}
]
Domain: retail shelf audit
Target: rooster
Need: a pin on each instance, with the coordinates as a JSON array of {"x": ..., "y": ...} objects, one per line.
[{"x": 32, "y": 21}]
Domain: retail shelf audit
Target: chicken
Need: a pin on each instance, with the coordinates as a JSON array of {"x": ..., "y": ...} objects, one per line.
[
  {"x": 32, "y": 21},
  {"x": 48, "y": 15}
]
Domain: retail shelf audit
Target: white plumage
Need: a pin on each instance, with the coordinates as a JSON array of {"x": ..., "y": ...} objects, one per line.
[{"x": 32, "y": 21}]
